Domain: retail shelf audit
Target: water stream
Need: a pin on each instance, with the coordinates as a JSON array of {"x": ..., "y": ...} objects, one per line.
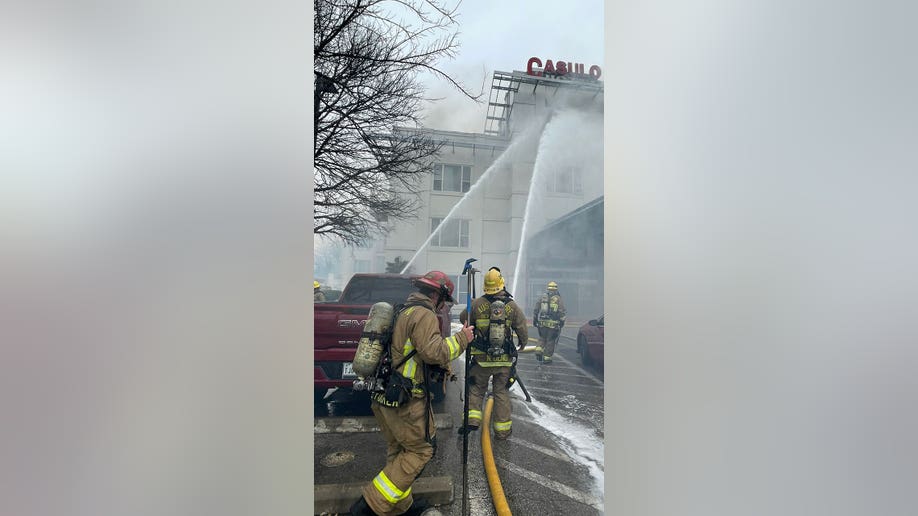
[
  {"x": 571, "y": 140},
  {"x": 535, "y": 190},
  {"x": 497, "y": 165}
]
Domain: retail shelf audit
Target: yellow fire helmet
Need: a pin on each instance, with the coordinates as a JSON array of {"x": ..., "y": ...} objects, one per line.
[
  {"x": 552, "y": 285},
  {"x": 493, "y": 281},
  {"x": 502, "y": 284},
  {"x": 315, "y": 284}
]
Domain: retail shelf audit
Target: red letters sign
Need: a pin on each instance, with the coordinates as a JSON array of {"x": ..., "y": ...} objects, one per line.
[{"x": 562, "y": 68}]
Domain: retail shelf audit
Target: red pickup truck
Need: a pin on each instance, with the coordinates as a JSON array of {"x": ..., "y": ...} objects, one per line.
[{"x": 338, "y": 325}]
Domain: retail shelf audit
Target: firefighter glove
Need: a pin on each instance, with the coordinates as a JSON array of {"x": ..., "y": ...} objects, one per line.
[{"x": 468, "y": 331}]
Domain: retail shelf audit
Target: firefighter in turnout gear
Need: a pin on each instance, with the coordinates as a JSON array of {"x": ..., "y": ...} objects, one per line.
[
  {"x": 548, "y": 316},
  {"x": 403, "y": 411},
  {"x": 317, "y": 295},
  {"x": 494, "y": 315}
]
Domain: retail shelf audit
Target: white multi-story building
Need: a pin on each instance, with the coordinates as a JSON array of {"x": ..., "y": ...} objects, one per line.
[
  {"x": 489, "y": 222},
  {"x": 555, "y": 120}
]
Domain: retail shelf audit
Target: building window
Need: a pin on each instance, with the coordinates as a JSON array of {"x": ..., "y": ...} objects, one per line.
[
  {"x": 566, "y": 179},
  {"x": 361, "y": 265},
  {"x": 455, "y": 233},
  {"x": 452, "y": 178},
  {"x": 462, "y": 289}
]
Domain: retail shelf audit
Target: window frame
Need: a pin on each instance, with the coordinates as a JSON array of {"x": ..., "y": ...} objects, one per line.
[
  {"x": 439, "y": 179},
  {"x": 569, "y": 177},
  {"x": 463, "y": 237}
]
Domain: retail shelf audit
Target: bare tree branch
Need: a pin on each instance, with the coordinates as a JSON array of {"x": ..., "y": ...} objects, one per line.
[{"x": 373, "y": 52}]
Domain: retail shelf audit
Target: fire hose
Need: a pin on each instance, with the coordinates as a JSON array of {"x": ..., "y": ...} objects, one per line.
[{"x": 497, "y": 490}]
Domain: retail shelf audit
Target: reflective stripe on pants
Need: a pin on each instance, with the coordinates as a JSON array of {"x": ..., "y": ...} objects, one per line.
[
  {"x": 389, "y": 493},
  {"x": 477, "y": 390},
  {"x": 502, "y": 426},
  {"x": 474, "y": 417}
]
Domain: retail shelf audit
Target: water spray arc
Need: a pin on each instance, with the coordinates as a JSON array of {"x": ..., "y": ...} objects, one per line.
[
  {"x": 535, "y": 185},
  {"x": 498, "y": 163},
  {"x": 474, "y": 188}
]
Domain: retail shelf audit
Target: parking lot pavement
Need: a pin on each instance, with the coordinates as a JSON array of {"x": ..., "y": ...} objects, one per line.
[{"x": 552, "y": 464}]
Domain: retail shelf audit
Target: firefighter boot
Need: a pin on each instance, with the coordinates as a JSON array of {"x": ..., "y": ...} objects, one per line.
[
  {"x": 467, "y": 429},
  {"x": 418, "y": 506},
  {"x": 538, "y": 353},
  {"x": 546, "y": 359},
  {"x": 361, "y": 508},
  {"x": 503, "y": 436}
]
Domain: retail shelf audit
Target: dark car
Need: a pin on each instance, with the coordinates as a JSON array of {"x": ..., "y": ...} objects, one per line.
[{"x": 590, "y": 340}]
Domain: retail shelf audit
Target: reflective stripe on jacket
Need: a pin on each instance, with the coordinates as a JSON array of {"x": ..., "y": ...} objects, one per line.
[
  {"x": 485, "y": 360},
  {"x": 418, "y": 328}
]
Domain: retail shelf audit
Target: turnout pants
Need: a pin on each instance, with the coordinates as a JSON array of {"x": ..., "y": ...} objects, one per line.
[
  {"x": 501, "y": 416},
  {"x": 407, "y": 453},
  {"x": 548, "y": 338}
]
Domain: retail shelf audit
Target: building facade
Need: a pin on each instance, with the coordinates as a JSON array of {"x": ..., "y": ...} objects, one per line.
[
  {"x": 569, "y": 251},
  {"x": 527, "y": 168}
]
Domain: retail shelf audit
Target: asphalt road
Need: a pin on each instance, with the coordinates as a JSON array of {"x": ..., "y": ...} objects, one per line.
[{"x": 552, "y": 464}]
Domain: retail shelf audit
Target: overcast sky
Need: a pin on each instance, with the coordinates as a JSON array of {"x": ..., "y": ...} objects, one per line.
[{"x": 502, "y": 35}]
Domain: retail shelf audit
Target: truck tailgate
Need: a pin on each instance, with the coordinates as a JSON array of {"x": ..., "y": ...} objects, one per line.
[{"x": 339, "y": 326}]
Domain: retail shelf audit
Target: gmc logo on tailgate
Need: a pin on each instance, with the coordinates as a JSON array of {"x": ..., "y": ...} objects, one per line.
[{"x": 351, "y": 323}]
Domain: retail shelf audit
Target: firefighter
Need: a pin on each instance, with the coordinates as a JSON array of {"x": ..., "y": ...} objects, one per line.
[
  {"x": 317, "y": 295},
  {"x": 488, "y": 364},
  {"x": 548, "y": 316},
  {"x": 407, "y": 424},
  {"x": 503, "y": 287}
]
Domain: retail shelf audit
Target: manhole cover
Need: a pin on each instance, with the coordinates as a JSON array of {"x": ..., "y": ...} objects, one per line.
[{"x": 337, "y": 459}]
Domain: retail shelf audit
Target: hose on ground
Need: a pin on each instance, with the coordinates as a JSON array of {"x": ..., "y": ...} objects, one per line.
[{"x": 497, "y": 490}]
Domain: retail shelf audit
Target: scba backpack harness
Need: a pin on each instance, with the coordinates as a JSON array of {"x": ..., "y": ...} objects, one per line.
[
  {"x": 498, "y": 339},
  {"x": 387, "y": 386},
  {"x": 373, "y": 359},
  {"x": 548, "y": 311}
]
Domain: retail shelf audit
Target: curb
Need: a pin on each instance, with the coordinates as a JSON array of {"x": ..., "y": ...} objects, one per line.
[
  {"x": 337, "y": 498},
  {"x": 336, "y": 425}
]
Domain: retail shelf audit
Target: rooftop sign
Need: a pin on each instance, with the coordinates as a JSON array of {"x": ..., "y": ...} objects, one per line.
[{"x": 563, "y": 69}]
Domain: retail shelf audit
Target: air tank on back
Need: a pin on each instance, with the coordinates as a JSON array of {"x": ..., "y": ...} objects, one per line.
[
  {"x": 497, "y": 333},
  {"x": 370, "y": 346}
]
